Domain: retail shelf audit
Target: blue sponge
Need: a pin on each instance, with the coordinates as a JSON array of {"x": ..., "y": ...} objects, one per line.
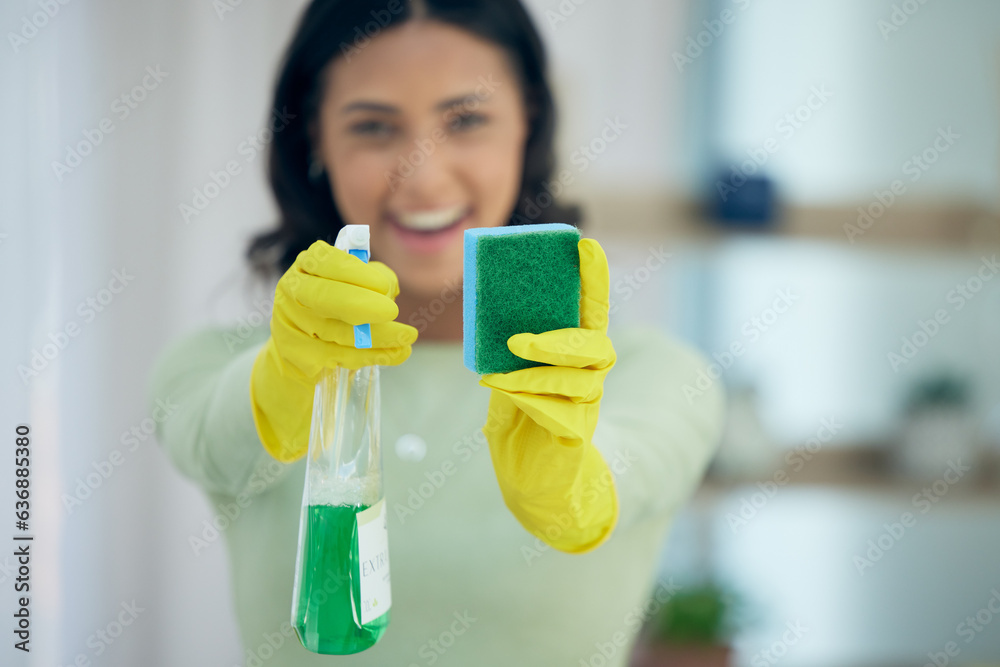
[{"x": 518, "y": 279}]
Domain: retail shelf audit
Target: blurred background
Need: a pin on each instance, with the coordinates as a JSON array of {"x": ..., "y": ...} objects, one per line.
[{"x": 805, "y": 191}]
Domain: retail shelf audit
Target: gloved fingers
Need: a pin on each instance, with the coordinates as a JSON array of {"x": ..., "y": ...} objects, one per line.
[
  {"x": 390, "y": 275},
  {"x": 350, "y": 357},
  {"x": 579, "y": 385},
  {"x": 575, "y": 348},
  {"x": 384, "y": 334},
  {"x": 322, "y": 260},
  {"x": 594, "y": 286},
  {"x": 334, "y": 299},
  {"x": 281, "y": 403},
  {"x": 308, "y": 356},
  {"x": 561, "y": 418}
]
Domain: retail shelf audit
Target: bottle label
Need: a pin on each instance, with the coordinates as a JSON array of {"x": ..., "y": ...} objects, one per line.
[{"x": 373, "y": 562}]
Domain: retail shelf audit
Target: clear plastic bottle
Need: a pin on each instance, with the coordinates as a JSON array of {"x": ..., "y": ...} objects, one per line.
[{"x": 342, "y": 596}]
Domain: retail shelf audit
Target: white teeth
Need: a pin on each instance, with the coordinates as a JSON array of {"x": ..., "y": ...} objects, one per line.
[{"x": 431, "y": 220}]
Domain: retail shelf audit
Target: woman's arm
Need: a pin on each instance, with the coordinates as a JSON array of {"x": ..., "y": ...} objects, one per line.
[
  {"x": 656, "y": 440},
  {"x": 211, "y": 438}
]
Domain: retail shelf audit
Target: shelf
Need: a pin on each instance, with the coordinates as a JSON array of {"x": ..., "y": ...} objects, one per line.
[
  {"x": 865, "y": 470},
  {"x": 938, "y": 226}
]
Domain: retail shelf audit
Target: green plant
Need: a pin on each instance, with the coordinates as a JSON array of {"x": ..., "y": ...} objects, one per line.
[
  {"x": 941, "y": 391},
  {"x": 695, "y": 615}
]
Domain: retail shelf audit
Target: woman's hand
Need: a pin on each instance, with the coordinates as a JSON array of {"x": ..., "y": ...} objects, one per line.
[
  {"x": 316, "y": 305},
  {"x": 541, "y": 423}
]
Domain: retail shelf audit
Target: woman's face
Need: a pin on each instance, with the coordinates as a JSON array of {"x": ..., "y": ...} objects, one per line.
[{"x": 422, "y": 133}]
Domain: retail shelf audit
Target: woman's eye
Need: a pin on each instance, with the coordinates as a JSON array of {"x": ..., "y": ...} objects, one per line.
[
  {"x": 372, "y": 128},
  {"x": 466, "y": 121}
]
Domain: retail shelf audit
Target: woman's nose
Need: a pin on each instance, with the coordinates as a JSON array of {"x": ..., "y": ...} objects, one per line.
[{"x": 426, "y": 172}]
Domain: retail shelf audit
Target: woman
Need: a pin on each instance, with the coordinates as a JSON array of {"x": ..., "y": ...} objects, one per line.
[{"x": 523, "y": 531}]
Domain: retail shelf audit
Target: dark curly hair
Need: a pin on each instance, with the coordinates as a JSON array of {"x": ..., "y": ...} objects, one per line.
[{"x": 329, "y": 29}]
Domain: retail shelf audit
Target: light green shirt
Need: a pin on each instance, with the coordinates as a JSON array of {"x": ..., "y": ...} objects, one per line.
[{"x": 469, "y": 585}]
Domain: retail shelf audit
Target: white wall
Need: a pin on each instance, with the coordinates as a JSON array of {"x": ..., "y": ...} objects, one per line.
[
  {"x": 117, "y": 211},
  {"x": 613, "y": 60},
  {"x": 891, "y": 91},
  {"x": 828, "y": 355}
]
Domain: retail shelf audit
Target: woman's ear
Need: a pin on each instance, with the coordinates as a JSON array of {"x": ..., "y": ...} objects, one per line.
[{"x": 532, "y": 110}]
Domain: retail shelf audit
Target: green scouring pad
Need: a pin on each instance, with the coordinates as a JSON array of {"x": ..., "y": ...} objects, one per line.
[{"x": 518, "y": 279}]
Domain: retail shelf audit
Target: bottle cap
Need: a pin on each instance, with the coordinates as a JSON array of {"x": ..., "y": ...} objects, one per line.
[{"x": 353, "y": 237}]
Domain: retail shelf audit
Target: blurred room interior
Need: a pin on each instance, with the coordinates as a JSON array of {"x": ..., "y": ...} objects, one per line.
[
  {"x": 833, "y": 254},
  {"x": 807, "y": 192}
]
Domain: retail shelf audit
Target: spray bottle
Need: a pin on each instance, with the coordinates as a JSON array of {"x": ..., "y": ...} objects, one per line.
[{"x": 341, "y": 599}]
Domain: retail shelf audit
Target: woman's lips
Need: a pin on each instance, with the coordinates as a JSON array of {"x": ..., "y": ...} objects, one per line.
[{"x": 425, "y": 242}]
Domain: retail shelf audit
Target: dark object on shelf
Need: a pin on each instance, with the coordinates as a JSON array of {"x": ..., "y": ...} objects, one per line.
[
  {"x": 746, "y": 202},
  {"x": 941, "y": 391}
]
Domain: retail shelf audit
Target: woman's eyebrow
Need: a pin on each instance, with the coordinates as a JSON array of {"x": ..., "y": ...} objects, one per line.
[
  {"x": 450, "y": 103},
  {"x": 461, "y": 100},
  {"x": 369, "y": 106}
]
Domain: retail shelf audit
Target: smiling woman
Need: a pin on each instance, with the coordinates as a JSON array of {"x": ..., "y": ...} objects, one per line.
[
  {"x": 522, "y": 514},
  {"x": 415, "y": 87},
  {"x": 496, "y": 88}
]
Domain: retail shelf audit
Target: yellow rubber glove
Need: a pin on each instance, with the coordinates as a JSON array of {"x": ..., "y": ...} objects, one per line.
[
  {"x": 316, "y": 305},
  {"x": 541, "y": 423}
]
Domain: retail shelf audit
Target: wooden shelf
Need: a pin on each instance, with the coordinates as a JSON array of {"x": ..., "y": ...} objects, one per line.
[
  {"x": 955, "y": 226},
  {"x": 863, "y": 469}
]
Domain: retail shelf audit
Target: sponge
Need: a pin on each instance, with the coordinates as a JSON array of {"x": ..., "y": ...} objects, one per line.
[{"x": 518, "y": 279}]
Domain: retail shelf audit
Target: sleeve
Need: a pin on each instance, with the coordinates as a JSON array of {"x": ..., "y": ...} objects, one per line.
[
  {"x": 211, "y": 438},
  {"x": 656, "y": 430}
]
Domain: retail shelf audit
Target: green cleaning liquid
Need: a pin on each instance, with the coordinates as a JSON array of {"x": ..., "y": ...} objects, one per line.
[{"x": 342, "y": 598}]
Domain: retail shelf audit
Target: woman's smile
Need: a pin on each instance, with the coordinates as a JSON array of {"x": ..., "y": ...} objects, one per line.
[{"x": 431, "y": 230}]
